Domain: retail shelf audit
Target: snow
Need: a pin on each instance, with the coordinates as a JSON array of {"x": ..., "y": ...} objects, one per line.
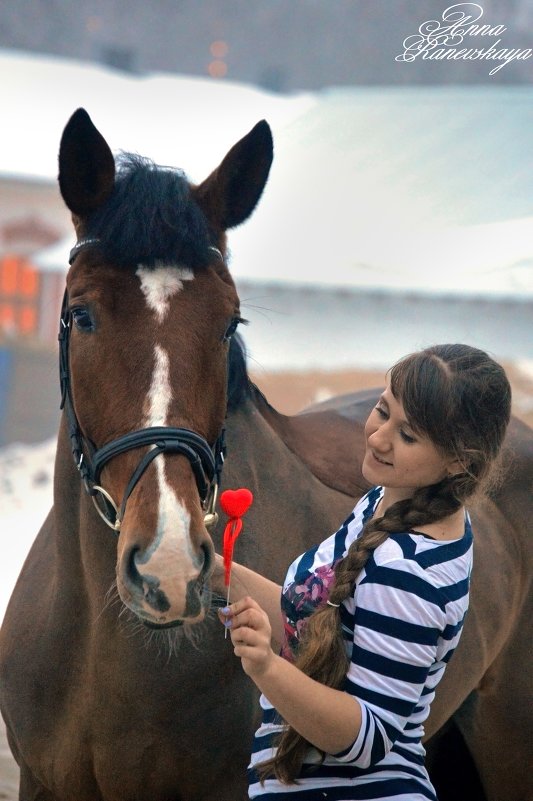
[{"x": 26, "y": 476}]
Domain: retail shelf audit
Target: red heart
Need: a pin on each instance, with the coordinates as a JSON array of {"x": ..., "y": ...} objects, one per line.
[{"x": 235, "y": 503}]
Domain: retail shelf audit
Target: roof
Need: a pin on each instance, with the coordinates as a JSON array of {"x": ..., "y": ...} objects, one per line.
[{"x": 426, "y": 188}]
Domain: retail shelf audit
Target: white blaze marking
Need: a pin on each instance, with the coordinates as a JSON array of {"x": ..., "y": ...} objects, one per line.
[
  {"x": 170, "y": 557},
  {"x": 159, "y": 284},
  {"x": 160, "y": 392}
]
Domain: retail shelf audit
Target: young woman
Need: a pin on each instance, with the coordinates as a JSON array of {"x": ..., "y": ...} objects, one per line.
[{"x": 371, "y": 616}]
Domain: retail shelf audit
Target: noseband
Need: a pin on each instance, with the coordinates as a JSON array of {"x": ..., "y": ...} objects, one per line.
[{"x": 206, "y": 461}]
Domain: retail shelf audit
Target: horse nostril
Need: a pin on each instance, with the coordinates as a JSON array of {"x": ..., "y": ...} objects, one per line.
[
  {"x": 207, "y": 560},
  {"x": 133, "y": 575},
  {"x": 147, "y": 585}
]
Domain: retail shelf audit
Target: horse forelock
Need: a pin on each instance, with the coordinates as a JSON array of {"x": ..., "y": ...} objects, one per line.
[{"x": 151, "y": 218}]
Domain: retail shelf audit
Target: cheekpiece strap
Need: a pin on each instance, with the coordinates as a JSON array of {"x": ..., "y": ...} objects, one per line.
[{"x": 81, "y": 244}]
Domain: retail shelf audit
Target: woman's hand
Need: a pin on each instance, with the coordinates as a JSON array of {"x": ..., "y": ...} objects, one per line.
[
  {"x": 251, "y": 635},
  {"x": 246, "y": 582},
  {"x": 336, "y": 716}
]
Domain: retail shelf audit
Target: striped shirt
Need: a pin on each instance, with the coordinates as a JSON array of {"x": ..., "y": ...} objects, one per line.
[{"x": 412, "y": 597}]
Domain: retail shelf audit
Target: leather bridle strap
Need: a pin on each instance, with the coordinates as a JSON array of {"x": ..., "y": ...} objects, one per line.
[
  {"x": 162, "y": 440},
  {"x": 206, "y": 462}
]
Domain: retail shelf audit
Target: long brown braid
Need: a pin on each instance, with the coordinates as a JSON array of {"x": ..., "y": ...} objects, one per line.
[{"x": 459, "y": 398}]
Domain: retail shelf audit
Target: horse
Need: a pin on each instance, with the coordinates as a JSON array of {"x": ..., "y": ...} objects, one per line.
[{"x": 116, "y": 681}]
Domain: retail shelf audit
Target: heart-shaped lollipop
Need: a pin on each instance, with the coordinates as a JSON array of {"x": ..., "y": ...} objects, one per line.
[{"x": 234, "y": 503}]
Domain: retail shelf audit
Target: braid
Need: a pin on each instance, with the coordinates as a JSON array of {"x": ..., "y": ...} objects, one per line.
[{"x": 321, "y": 653}]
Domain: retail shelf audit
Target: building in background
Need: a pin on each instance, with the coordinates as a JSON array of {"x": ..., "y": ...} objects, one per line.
[
  {"x": 281, "y": 45},
  {"x": 32, "y": 217}
]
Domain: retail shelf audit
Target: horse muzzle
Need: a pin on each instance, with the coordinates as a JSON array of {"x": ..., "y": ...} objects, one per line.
[{"x": 165, "y": 589}]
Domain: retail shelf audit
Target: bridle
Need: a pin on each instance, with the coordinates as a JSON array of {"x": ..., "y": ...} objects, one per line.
[{"x": 206, "y": 461}]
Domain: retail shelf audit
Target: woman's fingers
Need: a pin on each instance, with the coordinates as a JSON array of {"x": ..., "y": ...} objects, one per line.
[
  {"x": 245, "y": 612},
  {"x": 245, "y": 637},
  {"x": 249, "y": 618},
  {"x": 251, "y": 634},
  {"x": 244, "y": 603},
  {"x": 252, "y": 646}
]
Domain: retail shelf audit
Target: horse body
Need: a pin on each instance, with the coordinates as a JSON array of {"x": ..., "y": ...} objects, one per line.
[
  {"x": 100, "y": 700},
  {"x": 101, "y": 708}
]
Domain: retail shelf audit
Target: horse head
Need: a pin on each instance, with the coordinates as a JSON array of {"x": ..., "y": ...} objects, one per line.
[{"x": 149, "y": 310}]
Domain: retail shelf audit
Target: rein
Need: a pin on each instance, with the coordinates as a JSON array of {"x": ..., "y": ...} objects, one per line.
[{"x": 206, "y": 461}]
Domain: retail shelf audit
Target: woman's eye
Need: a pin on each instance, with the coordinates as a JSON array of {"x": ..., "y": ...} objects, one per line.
[
  {"x": 381, "y": 411},
  {"x": 407, "y": 437},
  {"x": 82, "y": 319}
]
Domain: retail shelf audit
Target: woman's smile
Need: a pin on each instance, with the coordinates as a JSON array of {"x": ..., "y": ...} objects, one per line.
[{"x": 380, "y": 459}]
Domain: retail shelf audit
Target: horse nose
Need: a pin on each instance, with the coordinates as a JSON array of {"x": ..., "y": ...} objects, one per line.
[
  {"x": 163, "y": 589},
  {"x": 144, "y": 583},
  {"x": 207, "y": 556}
]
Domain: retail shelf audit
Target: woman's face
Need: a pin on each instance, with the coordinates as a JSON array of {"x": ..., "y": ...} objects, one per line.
[{"x": 398, "y": 458}]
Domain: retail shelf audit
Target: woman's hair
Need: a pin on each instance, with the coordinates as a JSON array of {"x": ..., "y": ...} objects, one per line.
[{"x": 459, "y": 398}]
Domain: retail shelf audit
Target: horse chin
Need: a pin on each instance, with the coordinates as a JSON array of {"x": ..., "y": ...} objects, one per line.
[
  {"x": 199, "y": 598},
  {"x": 173, "y": 624}
]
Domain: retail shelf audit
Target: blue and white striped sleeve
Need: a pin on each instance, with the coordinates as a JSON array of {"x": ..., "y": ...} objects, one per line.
[{"x": 399, "y": 617}]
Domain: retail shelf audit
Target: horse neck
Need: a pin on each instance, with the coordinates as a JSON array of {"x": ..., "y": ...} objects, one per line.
[
  {"x": 329, "y": 444},
  {"x": 85, "y": 547},
  {"x": 292, "y": 508}
]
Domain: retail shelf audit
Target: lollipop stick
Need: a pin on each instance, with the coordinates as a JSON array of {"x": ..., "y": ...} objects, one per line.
[
  {"x": 234, "y": 503},
  {"x": 227, "y": 604}
]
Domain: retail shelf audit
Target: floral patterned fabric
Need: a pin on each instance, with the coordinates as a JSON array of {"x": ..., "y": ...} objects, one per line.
[{"x": 299, "y": 601}]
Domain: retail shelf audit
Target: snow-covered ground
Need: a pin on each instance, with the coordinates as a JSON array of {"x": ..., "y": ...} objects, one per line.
[{"x": 26, "y": 476}]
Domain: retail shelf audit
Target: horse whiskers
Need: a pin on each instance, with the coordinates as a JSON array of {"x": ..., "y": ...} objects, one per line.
[
  {"x": 264, "y": 310},
  {"x": 110, "y": 598},
  {"x": 164, "y": 642},
  {"x": 130, "y": 625},
  {"x": 195, "y": 634}
]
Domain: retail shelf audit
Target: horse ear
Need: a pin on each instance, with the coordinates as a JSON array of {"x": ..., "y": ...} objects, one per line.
[
  {"x": 230, "y": 194},
  {"x": 86, "y": 165}
]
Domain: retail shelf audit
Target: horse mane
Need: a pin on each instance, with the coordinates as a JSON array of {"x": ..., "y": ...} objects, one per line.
[
  {"x": 151, "y": 218},
  {"x": 240, "y": 387}
]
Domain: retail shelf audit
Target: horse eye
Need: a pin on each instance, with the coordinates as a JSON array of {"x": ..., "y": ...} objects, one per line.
[
  {"x": 232, "y": 328},
  {"x": 82, "y": 319}
]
